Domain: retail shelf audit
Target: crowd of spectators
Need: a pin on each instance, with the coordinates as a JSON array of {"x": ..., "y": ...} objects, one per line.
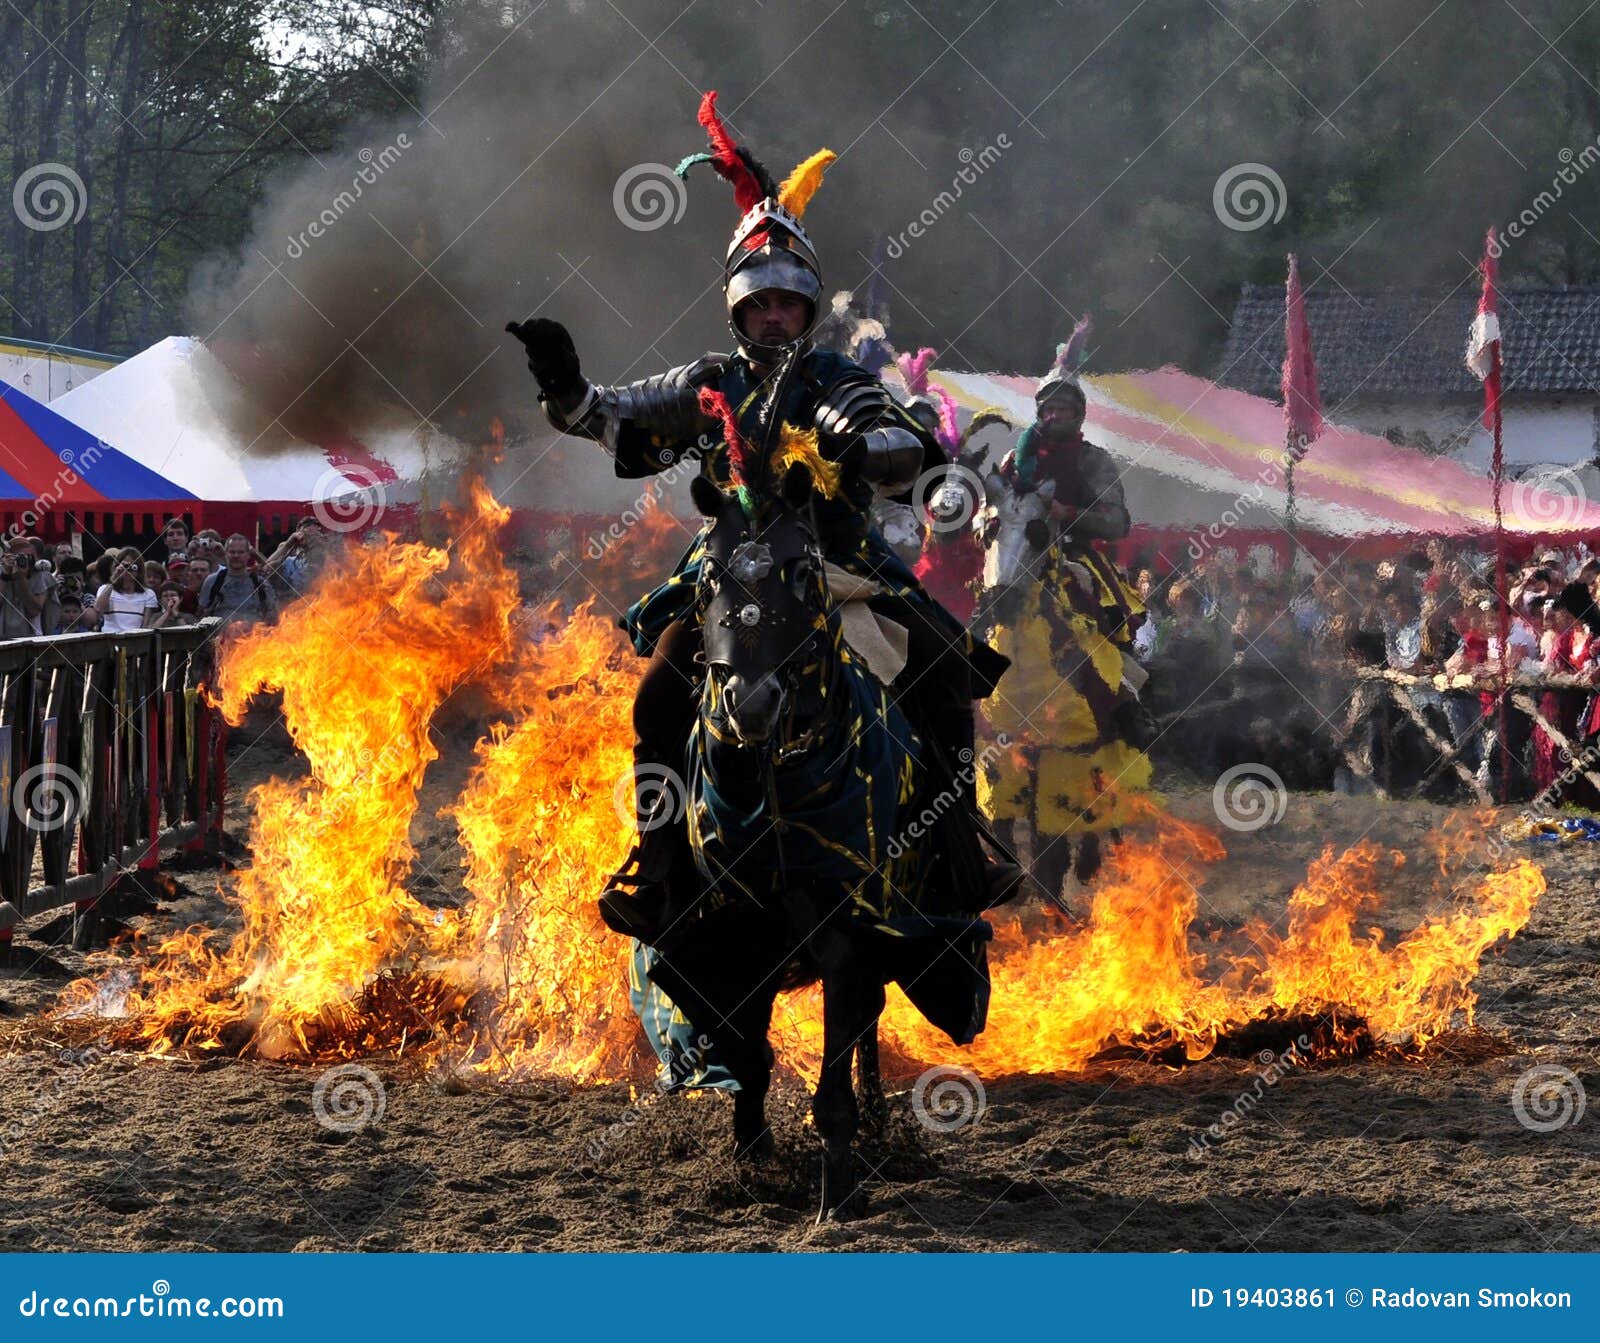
[
  {"x": 178, "y": 579},
  {"x": 1251, "y": 663},
  {"x": 1248, "y": 662}
]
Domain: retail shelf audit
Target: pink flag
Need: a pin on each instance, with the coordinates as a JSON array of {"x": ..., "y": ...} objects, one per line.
[
  {"x": 1483, "y": 340},
  {"x": 1302, "y": 406}
]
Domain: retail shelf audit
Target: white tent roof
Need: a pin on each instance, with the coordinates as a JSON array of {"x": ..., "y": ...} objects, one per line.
[{"x": 177, "y": 410}]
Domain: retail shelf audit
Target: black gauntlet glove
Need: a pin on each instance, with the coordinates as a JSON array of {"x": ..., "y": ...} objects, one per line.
[{"x": 551, "y": 357}]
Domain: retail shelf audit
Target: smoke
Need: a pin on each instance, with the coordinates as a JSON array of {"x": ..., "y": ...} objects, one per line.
[{"x": 1027, "y": 163}]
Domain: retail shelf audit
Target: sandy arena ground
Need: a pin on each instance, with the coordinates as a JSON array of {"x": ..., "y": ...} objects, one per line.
[{"x": 134, "y": 1153}]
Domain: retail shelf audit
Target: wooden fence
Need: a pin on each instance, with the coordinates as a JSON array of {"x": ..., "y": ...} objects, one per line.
[{"x": 108, "y": 751}]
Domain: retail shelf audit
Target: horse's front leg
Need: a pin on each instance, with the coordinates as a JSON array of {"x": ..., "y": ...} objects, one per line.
[
  {"x": 871, "y": 1104},
  {"x": 852, "y": 1000},
  {"x": 752, "y": 1138}
]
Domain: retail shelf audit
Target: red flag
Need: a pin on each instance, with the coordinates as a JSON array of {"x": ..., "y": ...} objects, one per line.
[
  {"x": 1483, "y": 340},
  {"x": 1302, "y": 406}
]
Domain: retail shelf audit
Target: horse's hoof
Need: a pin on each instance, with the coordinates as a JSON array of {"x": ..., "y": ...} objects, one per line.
[
  {"x": 758, "y": 1148},
  {"x": 848, "y": 1209}
]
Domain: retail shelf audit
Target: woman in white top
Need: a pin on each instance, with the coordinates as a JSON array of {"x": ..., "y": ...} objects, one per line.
[{"x": 125, "y": 602}]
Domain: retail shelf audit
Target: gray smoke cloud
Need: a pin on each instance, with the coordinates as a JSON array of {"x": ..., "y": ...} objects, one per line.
[{"x": 1013, "y": 166}]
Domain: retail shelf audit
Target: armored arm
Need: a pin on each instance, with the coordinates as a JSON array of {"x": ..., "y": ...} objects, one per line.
[
  {"x": 1103, "y": 513},
  {"x": 869, "y": 430},
  {"x": 646, "y": 425}
]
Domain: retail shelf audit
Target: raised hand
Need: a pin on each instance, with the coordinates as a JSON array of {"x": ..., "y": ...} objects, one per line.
[{"x": 551, "y": 357}]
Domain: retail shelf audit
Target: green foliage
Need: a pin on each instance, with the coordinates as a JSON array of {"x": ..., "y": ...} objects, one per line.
[{"x": 174, "y": 117}]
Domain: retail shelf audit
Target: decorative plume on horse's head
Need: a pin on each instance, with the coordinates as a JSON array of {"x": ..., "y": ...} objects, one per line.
[
  {"x": 752, "y": 479},
  {"x": 800, "y": 447},
  {"x": 989, "y": 415},
  {"x": 914, "y": 369},
  {"x": 741, "y": 464}
]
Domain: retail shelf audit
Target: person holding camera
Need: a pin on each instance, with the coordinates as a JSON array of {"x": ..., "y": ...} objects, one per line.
[
  {"x": 20, "y": 600},
  {"x": 298, "y": 559},
  {"x": 126, "y": 603},
  {"x": 175, "y": 535}
]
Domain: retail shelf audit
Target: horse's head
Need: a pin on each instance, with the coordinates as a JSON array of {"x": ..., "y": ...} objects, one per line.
[
  {"x": 1015, "y": 529},
  {"x": 763, "y": 602}
]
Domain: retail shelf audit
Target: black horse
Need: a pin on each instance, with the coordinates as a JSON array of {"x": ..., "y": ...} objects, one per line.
[{"x": 815, "y": 821}]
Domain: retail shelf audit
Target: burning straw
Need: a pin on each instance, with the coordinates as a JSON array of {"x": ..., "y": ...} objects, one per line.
[{"x": 333, "y": 957}]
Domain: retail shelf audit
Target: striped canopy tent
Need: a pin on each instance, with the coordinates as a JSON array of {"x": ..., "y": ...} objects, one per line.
[
  {"x": 178, "y": 410},
  {"x": 54, "y": 474},
  {"x": 1200, "y": 460}
]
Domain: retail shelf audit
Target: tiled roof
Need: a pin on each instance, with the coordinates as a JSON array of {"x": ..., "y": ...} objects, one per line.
[{"x": 1373, "y": 346}]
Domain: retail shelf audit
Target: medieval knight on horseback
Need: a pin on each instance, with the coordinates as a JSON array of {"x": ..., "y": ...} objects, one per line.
[
  {"x": 772, "y": 285},
  {"x": 1066, "y": 616}
]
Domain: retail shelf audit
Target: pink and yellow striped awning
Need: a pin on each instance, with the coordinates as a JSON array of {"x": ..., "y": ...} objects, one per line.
[{"x": 1230, "y": 445}]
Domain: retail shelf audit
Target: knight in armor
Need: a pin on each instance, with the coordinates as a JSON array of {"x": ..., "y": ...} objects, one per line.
[
  {"x": 1083, "y": 644},
  {"x": 772, "y": 284},
  {"x": 1088, "y": 504}
]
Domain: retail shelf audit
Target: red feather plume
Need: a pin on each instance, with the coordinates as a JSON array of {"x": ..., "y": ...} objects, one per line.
[{"x": 726, "y": 159}]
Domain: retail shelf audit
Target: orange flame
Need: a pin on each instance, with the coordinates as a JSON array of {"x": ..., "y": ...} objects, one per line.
[{"x": 334, "y": 957}]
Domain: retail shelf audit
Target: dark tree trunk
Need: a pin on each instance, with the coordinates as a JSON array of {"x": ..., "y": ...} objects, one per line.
[
  {"x": 76, "y": 46},
  {"x": 116, "y": 217}
]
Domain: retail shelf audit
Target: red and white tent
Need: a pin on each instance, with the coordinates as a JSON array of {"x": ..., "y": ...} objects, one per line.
[{"x": 175, "y": 409}]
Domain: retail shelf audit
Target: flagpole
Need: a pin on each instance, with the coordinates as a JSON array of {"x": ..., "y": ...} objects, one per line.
[
  {"x": 1302, "y": 406},
  {"x": 1484, "y": 358},
  {"x": 1501, "y": 594}
]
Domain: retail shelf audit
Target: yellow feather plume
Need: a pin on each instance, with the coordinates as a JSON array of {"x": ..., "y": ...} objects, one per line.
[
  {"x": 797, "y": 445},
  {"x": 801, "y": 185}
]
